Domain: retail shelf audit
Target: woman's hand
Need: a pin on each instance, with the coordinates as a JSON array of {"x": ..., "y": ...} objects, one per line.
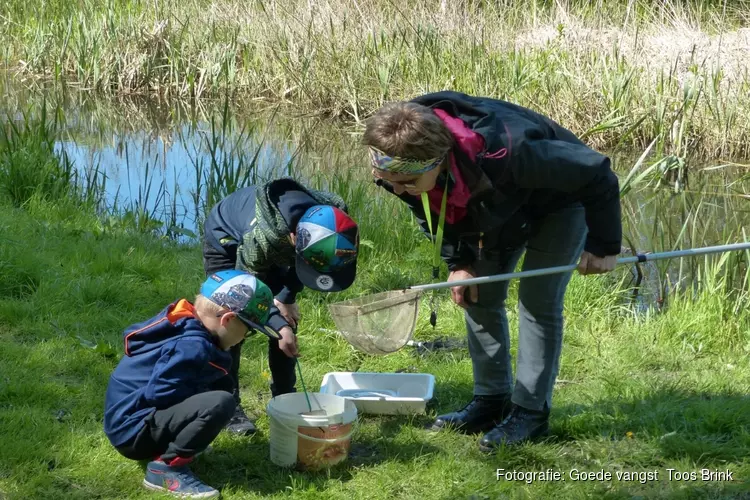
[
  {"x": 591, "y": 264},
  {"x": 288, "y": 342},
  {"x": 457, "y": 292},
  {"x": 290, "y": 312}
]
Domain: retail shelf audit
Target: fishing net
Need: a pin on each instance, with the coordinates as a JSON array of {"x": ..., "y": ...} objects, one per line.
[{"x": 381, "y": 323}]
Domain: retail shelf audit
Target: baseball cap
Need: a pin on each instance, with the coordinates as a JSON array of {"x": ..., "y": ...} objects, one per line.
[
  {"x": 327, "y": 245},
  {"x": 243, "y": 294}
]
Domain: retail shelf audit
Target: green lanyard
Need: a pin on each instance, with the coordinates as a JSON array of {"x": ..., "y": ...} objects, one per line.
[{"x": 437, "y": 241}]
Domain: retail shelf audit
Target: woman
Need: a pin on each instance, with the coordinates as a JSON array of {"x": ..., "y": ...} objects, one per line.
[{"x": 517, "y": 183}]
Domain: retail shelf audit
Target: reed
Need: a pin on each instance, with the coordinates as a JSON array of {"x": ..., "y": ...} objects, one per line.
[
  {"x": 31, "y": 168},
  {"x": 618, "y": 73}
]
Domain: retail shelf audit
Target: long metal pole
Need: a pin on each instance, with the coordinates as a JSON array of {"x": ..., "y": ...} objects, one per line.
[{"x": 572, "y": 267}]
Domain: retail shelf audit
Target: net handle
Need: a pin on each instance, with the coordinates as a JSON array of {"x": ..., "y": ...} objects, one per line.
[{"x": 572, "y": 267}]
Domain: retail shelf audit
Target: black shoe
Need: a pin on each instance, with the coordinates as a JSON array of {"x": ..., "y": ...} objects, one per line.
[
  {"x": 240, "y": 424},
  {"x": 481, "y": 414},
  {"x": 520, "y": 426}
]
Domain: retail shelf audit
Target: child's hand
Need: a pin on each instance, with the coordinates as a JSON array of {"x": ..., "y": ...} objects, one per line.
[
  {"x": 290, "y": 312},
  {"x": 591, "y": 264},
  {"x": 288, "y": 342}
]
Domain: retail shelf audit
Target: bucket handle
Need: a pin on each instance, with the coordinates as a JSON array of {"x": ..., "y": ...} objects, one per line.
[{"x": 355, "y": 426}]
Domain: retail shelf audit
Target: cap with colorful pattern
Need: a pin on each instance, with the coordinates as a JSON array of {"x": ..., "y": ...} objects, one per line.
[
  {"x": 327, "y": 245},
  {"x": 243, "y": 294}
]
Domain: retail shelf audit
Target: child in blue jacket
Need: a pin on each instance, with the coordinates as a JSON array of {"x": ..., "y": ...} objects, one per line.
[{"x": 170, "y": 395}]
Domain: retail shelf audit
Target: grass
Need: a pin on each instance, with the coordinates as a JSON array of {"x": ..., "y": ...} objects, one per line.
[
  {"x": 663, "y": 389},
  {"x": 620, "y": 74}
]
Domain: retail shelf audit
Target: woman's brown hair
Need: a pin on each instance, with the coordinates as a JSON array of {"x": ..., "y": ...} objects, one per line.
[{"x": 408, "y": 130}]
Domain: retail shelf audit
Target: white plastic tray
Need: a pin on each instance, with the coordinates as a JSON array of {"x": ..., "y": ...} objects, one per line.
[{"x": 382, "y": 393}]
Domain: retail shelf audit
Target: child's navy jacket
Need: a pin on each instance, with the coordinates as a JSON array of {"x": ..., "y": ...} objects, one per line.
[{"x": 168, "y": 358}]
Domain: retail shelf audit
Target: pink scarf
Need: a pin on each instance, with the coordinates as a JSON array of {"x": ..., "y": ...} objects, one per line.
[{"x": 471, "y": 144}]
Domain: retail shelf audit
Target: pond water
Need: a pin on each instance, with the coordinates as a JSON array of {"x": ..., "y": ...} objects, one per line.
[
  {"x": 162, "y": 174},
  {"x": 172, "y": 161}
]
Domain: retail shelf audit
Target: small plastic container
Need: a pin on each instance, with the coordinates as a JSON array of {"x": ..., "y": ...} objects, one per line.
[{"x": 382, "y": 393}]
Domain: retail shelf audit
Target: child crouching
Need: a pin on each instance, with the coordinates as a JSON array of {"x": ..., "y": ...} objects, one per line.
[{"x": 170, "y": 395}]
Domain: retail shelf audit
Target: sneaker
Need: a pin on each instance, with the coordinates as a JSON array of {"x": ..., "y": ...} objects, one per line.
[
  {"x": 178, "y": 481},
  {"x": 240, "y": 424},
  {"x": 480, "y": 415},
  {"x": 520, "y": 426}
]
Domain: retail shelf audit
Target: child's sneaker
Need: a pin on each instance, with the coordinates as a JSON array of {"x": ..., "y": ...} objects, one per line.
[{"x": 178, "y": 481}]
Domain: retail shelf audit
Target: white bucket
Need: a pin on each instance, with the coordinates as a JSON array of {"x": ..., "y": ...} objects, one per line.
[{"x": 310, "y": 441}]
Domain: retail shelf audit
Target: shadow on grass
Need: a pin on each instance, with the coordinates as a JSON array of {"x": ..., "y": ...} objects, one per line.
[
  {"x": 698, "y": 430},
  {"x": 244, "y": 464},
  {"x": 449, "y": 396},
  {"x": 665, "y": 429},
  {"x": 668, "y": 426},
  {"x": 702, "y": 427}
]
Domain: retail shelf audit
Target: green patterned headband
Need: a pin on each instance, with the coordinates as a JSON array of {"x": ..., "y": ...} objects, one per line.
[{"x": 396, "y": 165}]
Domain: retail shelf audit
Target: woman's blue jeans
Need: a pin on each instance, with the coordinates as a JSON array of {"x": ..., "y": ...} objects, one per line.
[{"x": 558, "y": 241}]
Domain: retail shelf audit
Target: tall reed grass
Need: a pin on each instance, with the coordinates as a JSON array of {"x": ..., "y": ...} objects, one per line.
[
  {"x": 30, "y": 168},
  {"x": 619, "y": 73}
]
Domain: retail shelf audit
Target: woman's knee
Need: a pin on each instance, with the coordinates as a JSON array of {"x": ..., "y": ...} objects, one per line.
[
  {"x": 492, "y": 296},
  {"x": 542, "y": 298}
]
